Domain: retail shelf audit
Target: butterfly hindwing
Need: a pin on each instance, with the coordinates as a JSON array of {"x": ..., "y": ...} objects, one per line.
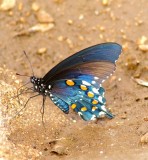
[
  {"x": 81, "y": 96},
  {"x": 60, "y": 103}
]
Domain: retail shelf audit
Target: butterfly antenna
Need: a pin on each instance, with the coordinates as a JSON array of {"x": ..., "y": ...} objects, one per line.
[
  {"x": 22, "y": 75},
  {"x": 29, "y": 62}
]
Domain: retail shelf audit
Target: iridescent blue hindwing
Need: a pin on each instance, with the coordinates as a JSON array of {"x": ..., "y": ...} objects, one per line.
[
  {"x": 81, "y": 96},
  {"x": 60, "y": 103}
]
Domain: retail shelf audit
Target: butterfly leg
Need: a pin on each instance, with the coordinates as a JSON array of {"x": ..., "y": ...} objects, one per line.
[
  {"x": 21, "y": 92},
  {"x": 26, "y": 104},
  {"x": 42, "y": 110},
  {"x": 18, "y": 94}
]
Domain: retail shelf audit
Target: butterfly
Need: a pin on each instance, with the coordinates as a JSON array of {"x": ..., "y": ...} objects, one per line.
[{"x": 75, "y": 83}]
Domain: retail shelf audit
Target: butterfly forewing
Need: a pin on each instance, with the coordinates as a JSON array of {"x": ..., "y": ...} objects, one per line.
[{"x": 102, "y": 52}]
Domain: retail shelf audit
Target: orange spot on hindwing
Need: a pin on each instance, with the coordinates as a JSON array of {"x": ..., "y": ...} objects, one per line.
[
  {"x": 70, "y": 82},
  {"x": 94, "y": 101},
  {"x": 90, "y": 94},
  {"x": 83, "y": 87},
  {"x": 83, "y": 109},
  {"x": 94, "y": 108},
  {"x": 73, "y": 106}
]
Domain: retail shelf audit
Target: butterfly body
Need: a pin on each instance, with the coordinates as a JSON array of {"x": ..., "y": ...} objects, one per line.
[
  {"x": 39, "y": 86},
  {"x": 76, "y": 82}
]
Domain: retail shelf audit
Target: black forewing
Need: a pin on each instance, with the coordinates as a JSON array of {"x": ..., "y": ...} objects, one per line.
[{"x": 105, "y": 52}]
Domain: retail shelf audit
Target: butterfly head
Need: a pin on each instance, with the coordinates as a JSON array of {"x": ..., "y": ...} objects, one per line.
[
  {"x": 38, "y": 84},
  {"x": 33, "y": 79}
]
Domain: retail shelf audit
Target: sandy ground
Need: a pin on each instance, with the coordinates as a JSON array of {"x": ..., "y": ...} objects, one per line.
[{"x": 50, "y": 31}]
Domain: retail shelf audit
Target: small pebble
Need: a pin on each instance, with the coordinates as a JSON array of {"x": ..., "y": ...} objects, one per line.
[
  {"x": 74, "y": 121},
  {"x": 22, "y": 20},
  {"x": 145, "y": 118},
  {"x": 60, "y": 38},
  {"x": 101, "y": 152},
  {"x": 10, "y": 13},
  {"x": 142, "y": 40},
  {"x": 20, "y": 6},
  {"x": 7, "y": 5},
  {"x": 44, "y": 17},
  {"x": 143, "y": 47},
  {"x": 101, "y": 36},
  {"x": 81, "y": 38},
  {"x": 17, "y": 81},
  {"x": 119, "y": 79},
  {"x": 125, "y": 46},
  {"x": 96, "y": 12},
  {"x": 81, "y": 17},
  {"x": 35, "y": 6},
  {"x": 102, "y": 28},
  {"x": 139, "y": 22},
  {"x": 70, "y": 22},
  {"x": 105, "y": 2},
  {"x": 69, "y": 42},
  {"x": 41, "y": 51}
]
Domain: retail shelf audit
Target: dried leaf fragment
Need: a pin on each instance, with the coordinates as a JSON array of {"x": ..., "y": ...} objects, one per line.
[
  {"x": 41, "y": 27},
  {"x": 36, "y": 28},
  {"x": 141, "y": 82},
  {"x": 143, "y": 47}
]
